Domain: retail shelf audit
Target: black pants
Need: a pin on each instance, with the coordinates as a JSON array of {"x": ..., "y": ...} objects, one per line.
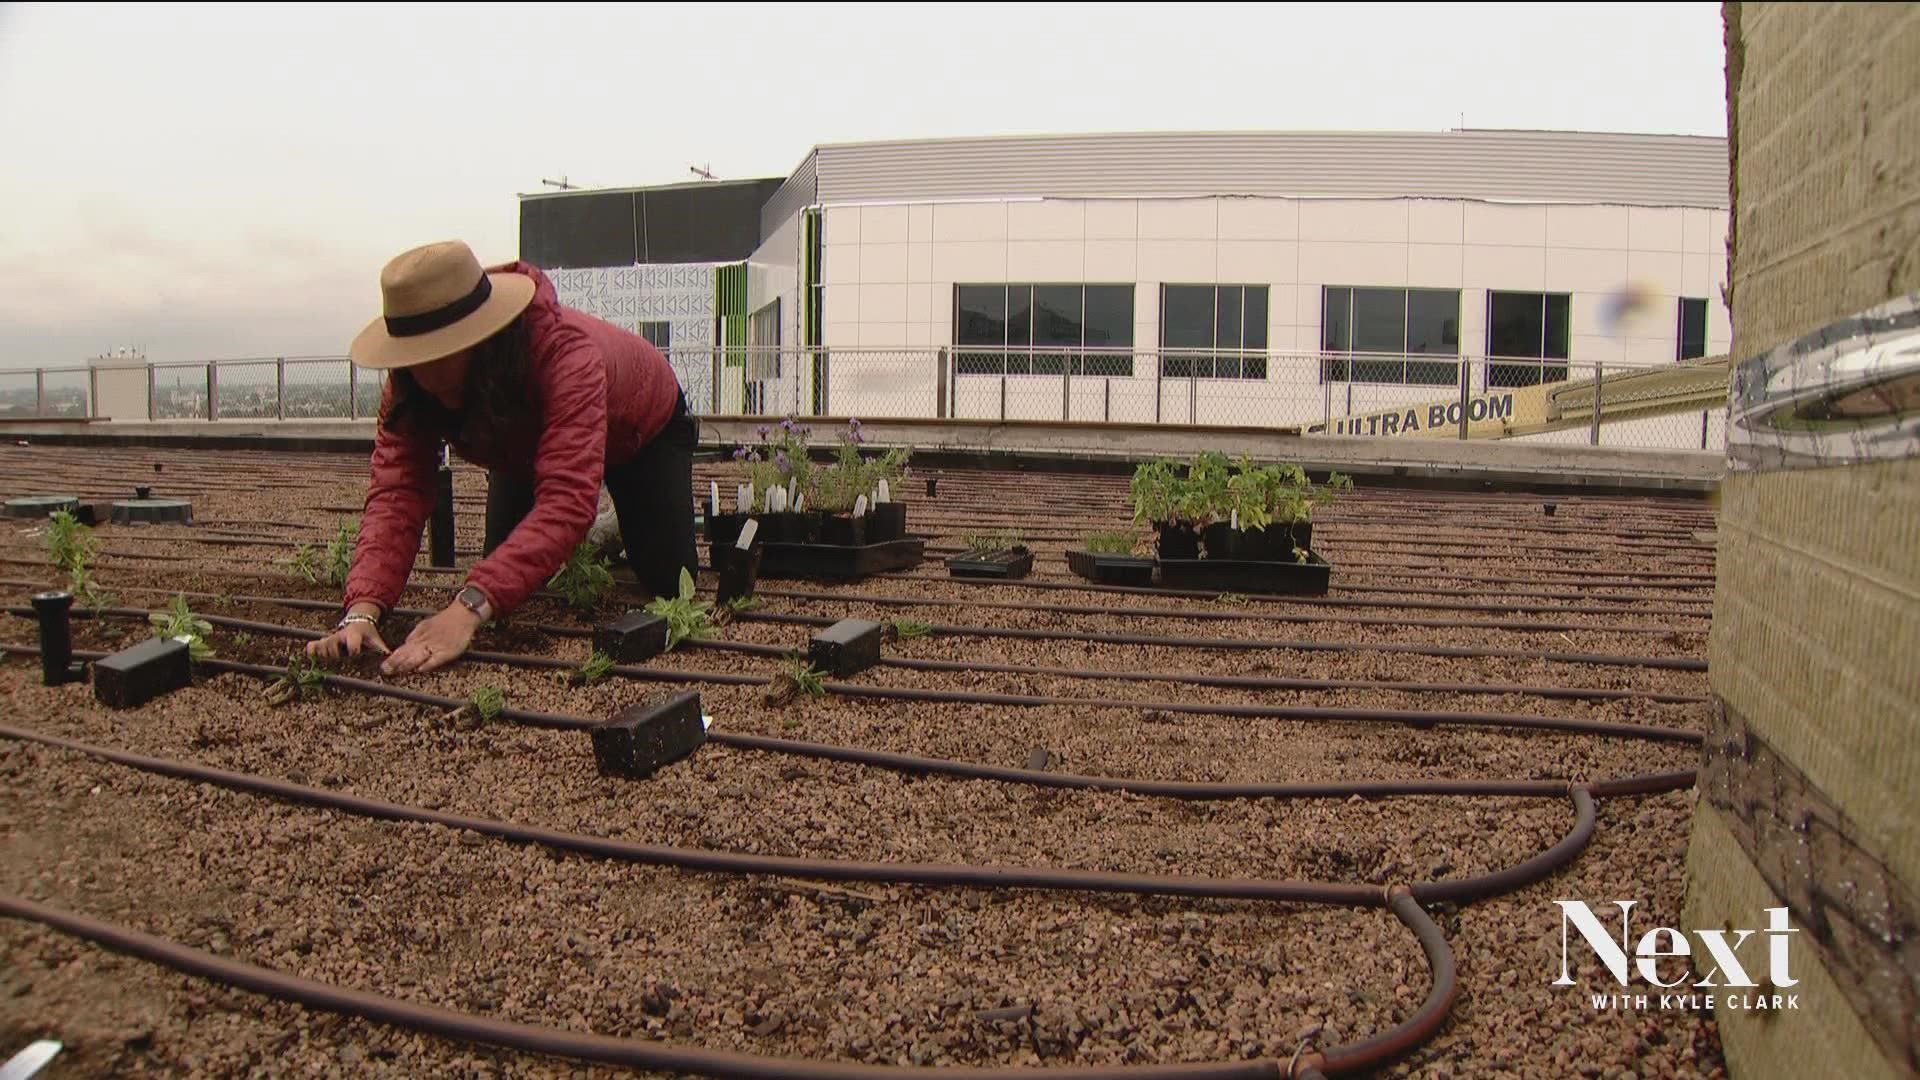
[{"x": 652, "y": 495}]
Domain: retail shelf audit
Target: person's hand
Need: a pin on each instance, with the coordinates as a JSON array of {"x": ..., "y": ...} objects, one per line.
[
  {"x": 435, "y": 642},
  {"x": 349, "y": 640}
]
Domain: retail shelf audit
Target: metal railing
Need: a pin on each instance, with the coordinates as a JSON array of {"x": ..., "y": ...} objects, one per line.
[{"x": 1337, "y": 393}]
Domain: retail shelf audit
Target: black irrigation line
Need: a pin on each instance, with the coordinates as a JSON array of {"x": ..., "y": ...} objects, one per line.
[
  {"x": 1670, "y": 663},
  {"x": 1214, "y": 616},
  {"x": 1079, "y": 585},
  {"x": 1247, "y": 682},
  {"x": 1415, "y": 718},
  {"x": 1264, "y": 600}
]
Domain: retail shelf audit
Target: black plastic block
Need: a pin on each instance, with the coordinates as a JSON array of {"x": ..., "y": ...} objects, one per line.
[
  {"x": 132, "y": 677},
  {"x": 633, "y": 638},
  {"x": 153, "y": 511},
  {"x": 848, "y": 647},
  {"x": 40, "y": 506},
  {"x": 91, "y": 514},
  {"x": 650, "y": 736}
]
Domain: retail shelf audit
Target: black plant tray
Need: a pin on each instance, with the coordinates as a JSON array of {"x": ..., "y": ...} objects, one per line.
[
  {"x": 1230, "y": 575},
  {"x": 836, "y": 561},
  {"x": 1011, "y": 565},
  {"x": 1112, "y": 569}
]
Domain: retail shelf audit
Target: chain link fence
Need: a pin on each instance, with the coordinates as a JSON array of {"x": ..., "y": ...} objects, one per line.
[{"x": 1671, "y": 406}]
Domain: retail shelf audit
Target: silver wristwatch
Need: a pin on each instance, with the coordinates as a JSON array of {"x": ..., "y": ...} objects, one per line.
[{"x": 475, "y": 601}]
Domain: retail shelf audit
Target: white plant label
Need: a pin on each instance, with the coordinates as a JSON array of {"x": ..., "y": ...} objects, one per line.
[
  {"x": 800, "y": 503},
  {"x": 885, "y": 496},
  {"x": 713, "y": 495},
  {"x": 745, "y": 494},
  {"x": 747, "y": 532},
  {"x": 1236, "y": 521},
  {"x": 860, "y": 507}
]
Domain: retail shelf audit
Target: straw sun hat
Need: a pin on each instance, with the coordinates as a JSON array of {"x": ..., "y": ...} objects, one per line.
[{"x": 435, "y": 301}]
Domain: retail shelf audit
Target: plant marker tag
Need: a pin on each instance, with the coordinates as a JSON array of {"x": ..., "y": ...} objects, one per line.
[
  {"x": 860, "y": 507},
  {"x": 1236, "y": 521},
  {"x": 706, "y": 722},
  {"x": 885, "y": 496},
  {"x": 793, "y": 487},
  {"x": 713, "y": 495},
  {"x": 770, "y": 492},
  {"x": 800, "y": 503},
  {"x": 745, "y": 505},
  {"x": 747, "y": 532}
]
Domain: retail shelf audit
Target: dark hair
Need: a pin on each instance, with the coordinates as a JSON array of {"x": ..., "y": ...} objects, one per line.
[{"x": 494, "y": 406}]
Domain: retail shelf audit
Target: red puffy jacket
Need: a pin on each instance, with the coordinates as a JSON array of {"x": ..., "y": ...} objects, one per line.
[{"x": 601, "y": 392}]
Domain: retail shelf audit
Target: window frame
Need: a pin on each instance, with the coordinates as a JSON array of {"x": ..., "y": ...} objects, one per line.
[
  {"x": 1025, "y": 356},
  {"x": 1542, "y": 368},
  {"x": 1236, "y": 363},
  {"x": 1341, "y": 365}
]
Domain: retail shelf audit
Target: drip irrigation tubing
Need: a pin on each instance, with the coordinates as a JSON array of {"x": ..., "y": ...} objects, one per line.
[
  {"x": 1657, "y": 783},
  {"x": 1081, "y": 585},
  {"x": 1212, "y": 616},
  {"x": 1415, "y": 718},
  {"x": 1247, "y": 682},
  {"x": 1672, "y": 663}
]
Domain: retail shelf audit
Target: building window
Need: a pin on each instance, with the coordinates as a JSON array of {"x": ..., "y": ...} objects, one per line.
[
  {"x": 660, "y": 333},
  {"x": 1393, "y": 322},
  {"x": 1043, "y": 329},
  {"x": 763, "y": 339},
  {"x": 1692, "y": 337},
  {"x": 1195, "y": 320},
  {"x": 1527, "y": 326}
]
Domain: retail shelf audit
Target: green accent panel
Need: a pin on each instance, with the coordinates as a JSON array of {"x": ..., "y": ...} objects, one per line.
[{"x": 730, "y": 304}]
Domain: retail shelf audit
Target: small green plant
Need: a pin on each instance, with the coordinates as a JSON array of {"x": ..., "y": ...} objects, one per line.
[
  {"x": 989, "y": 543},
  {"x": 306, "y": 564},
  {"x": 303, "y": 679},
  {"x": 799, "y": 677},
  {"x": 584, "y": 581},
  {"x": 907, "y": 628},
  {"x": 1232, "y": 599},
  {"x": 340, "y": 554},
  {"x": 1112, "y": 543},
  {"x": 179, "y": 622},
  {"x": 687, "y": 618},
  {"x": 597, "y": 667},
  {"x": 71, "y": 548},
  {"x": 724, "y": 613},
  {"x": 489, "y": 702}
]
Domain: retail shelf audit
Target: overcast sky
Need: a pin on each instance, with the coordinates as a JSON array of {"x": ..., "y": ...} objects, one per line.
[{"x": 222, "y": 182}]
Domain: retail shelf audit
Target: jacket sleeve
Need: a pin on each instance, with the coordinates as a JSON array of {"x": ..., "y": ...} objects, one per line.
[
  {"x": 399, "y": 500},
  {"x": 569, "y": 463}
]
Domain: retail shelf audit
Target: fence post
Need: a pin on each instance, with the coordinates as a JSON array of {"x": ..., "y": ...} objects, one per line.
[
  {"x": 1193, "y": 398},
  {"x": 153, "y": 395},
  {"x": 1466, "y": 394},
  {"x": 1003, "y": 392},
  {"x": 353, "y": 390},
  {"x": 39, "y": 391},
  {"x": 280, "y": 387},
  {"x": 213, "y": 391},
  {"x": 1704, "y": 413},
  {"x": 1066, "y": 389},
  {"x": 1599, "y": 375},
  {"x": 1326, "y": 397},
  {"x": 93, "y": 393},
  {"x": 1159, "y": 368},
  {"x": 940, "y": 383}
]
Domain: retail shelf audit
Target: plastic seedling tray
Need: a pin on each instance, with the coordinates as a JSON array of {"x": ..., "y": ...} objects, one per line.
[
  {"x": 835, "y": 561},
  {"x": 1010, "y": 564},
  {"x": 1112, "y": 569},
  {"x": 1234, "y": 575}
]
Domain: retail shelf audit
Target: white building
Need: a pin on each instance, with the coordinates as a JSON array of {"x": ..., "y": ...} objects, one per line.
[{"x": 1294, "y": 277}]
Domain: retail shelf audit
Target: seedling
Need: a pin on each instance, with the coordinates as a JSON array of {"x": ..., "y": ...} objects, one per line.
[
  {"x": 1233, "y": 599},
  {"x": 724, "y": 613},
  {"x": 485, "y": 706},
  {"x": 596, "y": 668},
  {"x": 180, "y": 623},
  {"x": 1112, "y": 543},
  {"x": 907, "y": 628},
  {"x": 340, "y": 553},
  {"x": 71, "y": 548},
  {"x": 306, "y": 564},
  {"x": 687, "y": 618},
  {"x": 990, "y": 543},
  {"x": 799, "y": 677},
  {"x": 584, "y": 581},
  {"x": 303, "y": 679}
]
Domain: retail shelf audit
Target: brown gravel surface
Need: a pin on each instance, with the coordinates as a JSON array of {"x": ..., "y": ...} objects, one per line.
[{"x": 864, "y": 972}]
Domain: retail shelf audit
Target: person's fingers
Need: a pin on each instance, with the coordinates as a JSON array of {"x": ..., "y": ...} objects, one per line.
[
  {"x": 373, "y": 640},
  {"x": 436, "y": 660},
  {"x": 405, "y": 659}
]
